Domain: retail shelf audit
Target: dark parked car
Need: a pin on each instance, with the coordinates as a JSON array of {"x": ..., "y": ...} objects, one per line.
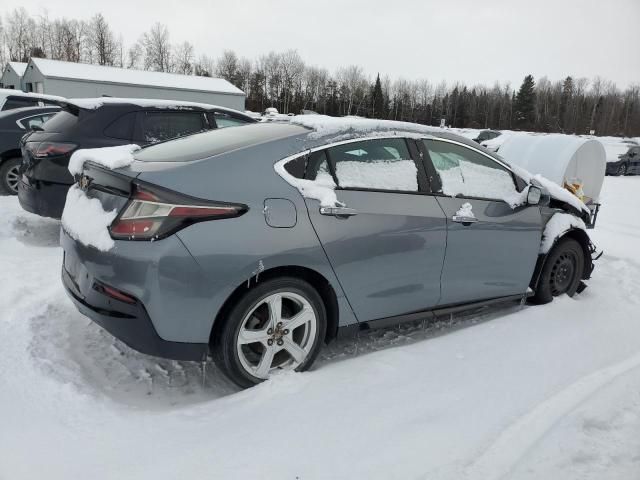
[
  {"x": 10, "y": 99},
  {"x": 256, "y": 245},
  {"x": 14, "y": 124},
  {"x": 485, "y": 135},
  {"x": 104, "y": 122},
  {"x": 623, "y": 158}
]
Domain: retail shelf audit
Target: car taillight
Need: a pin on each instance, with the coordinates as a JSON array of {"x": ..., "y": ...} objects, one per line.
[
  {"x": 52, "y": 149},
  {"x": 152, "y": 215}
]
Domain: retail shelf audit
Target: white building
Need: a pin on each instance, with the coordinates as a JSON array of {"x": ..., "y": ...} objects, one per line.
[
  {"x": 77, "y": 80},
  {"x": 12, "y": 75}
]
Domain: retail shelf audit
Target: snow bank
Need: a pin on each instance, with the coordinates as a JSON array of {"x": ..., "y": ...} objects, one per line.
[
  {"x": 110, "y": 157},
  {"x": 325, "y": 126},
  {"x": 558, "y": 225},
  {"x": 85, "y": 220}
]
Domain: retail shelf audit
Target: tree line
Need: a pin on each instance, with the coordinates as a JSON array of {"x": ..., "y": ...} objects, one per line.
[{"x": 285, "y": 81}]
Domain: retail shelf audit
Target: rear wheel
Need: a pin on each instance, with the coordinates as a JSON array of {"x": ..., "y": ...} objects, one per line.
[
  {"x": 622, "y": 169},
  {"x": 9, "y": 176},
  {"x": 278, "y": 325},
  {"x": 562, "y": 271}
]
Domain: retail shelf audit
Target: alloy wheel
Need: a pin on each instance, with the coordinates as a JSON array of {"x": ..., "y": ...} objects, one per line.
[
  {"x": 277, "y": 333},
  {"x": 12, "y": 178}
]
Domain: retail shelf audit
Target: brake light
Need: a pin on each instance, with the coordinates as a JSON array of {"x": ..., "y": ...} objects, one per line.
[
  {"x": 53, "y": 149},
  {"x": 152, "y": 215}
]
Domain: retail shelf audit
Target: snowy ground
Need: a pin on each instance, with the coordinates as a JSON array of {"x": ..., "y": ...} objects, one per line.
[{"x": 548, "y": 392}]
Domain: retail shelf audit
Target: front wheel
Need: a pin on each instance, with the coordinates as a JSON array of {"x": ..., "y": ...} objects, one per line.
[
  {"x": 562, "y": 271},
  {"x": 278, "y": 325},
  {"x": 9, "y": 176}
]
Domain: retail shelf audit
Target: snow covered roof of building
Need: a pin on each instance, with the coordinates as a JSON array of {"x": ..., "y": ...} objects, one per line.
[
  {"x": 103, "y": 74},
  {"x": 18, "y": 67}
]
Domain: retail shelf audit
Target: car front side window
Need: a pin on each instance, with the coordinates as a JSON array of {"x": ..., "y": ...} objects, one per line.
[
  {"x": 380, "y": 164},
  {"x": 467, "y": 173}
]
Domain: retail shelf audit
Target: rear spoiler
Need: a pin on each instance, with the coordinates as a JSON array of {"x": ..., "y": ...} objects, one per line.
[{"x": 69, "y": 107}]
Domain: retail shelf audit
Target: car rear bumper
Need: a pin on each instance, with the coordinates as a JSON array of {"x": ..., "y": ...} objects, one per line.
[
  {"x": 162, "y": 318},
  {"x": 129, "y": 323},
  {"x": 42, "y": 198}
]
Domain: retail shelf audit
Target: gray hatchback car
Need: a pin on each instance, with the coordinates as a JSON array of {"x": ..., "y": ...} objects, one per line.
[{"x": 256, "y": 245}]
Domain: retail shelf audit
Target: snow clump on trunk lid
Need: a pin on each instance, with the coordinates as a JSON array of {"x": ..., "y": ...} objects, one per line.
[{"x": 83, "y": 218}]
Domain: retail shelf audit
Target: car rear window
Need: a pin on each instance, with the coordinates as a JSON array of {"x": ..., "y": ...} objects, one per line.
[
  {"x": 161, "y": 126},
  {"x": 61, "y": 122}
]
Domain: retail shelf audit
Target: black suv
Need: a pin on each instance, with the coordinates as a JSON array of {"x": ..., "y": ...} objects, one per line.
[
  {"x": 13, "y": 125},
  {"x": 107, "y": 122},
  {"x": 628, "y": 162}
]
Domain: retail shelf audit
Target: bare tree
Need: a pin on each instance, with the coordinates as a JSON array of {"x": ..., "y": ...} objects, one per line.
[
  {"x": 157, "y": 49},
  {"x": 184, "y": 58},
  {"x": 102, "y": 43}
]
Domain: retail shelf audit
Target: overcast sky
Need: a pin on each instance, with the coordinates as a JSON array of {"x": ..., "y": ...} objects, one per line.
[{"x": 466, "y": 40}]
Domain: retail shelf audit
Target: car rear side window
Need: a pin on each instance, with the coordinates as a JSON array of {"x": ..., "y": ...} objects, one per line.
[
  {"x": 467, "y": 173},
  {"x": 30, "y": 122},
  {"x": 224, "y": 120},
  {"x": 122, "y": 127},
  {"x": 160, "y": 126},
  {"x": 62, "y": 122},
  {"x": 380, "y": 164}
]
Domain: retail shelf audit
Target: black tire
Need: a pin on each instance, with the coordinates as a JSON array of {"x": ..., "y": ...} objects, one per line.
[
  {"x": 622, "y": 170},
  {"x": 9, "y": 176},
  {"x": 224, "y": 344},
  {"x": 561, "y": 273}
]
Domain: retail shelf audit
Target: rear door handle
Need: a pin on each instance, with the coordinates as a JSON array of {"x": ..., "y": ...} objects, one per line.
[
  {"x": 338, "y": 211},
  {"x": 465, "y": 220}
]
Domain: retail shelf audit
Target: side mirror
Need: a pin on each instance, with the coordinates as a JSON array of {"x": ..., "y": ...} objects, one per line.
[{"x": 533, "y": 195}]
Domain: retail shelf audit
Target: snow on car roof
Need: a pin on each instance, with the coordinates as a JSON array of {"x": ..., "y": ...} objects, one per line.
[
  {"x": 104, "y": 74},
  {"x": 10, "y": 92},
  {"x": 95, "y": 103},
  {"x": 326, "y": 126}
]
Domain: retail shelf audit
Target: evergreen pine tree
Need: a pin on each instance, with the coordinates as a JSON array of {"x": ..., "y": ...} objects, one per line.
[
  {"x": 378, "y": 99},
  {"x": 524, "y": 114},
  {"x": 565, "y": 98}
]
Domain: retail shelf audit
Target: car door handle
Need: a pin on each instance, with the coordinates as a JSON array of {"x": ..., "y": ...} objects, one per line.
[
  {"x": 338, "y": 211},
  {"x": 465, "y": 220}
]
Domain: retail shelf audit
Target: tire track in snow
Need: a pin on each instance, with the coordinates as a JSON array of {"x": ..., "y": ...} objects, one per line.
[{"x": 512, "y": 445}]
